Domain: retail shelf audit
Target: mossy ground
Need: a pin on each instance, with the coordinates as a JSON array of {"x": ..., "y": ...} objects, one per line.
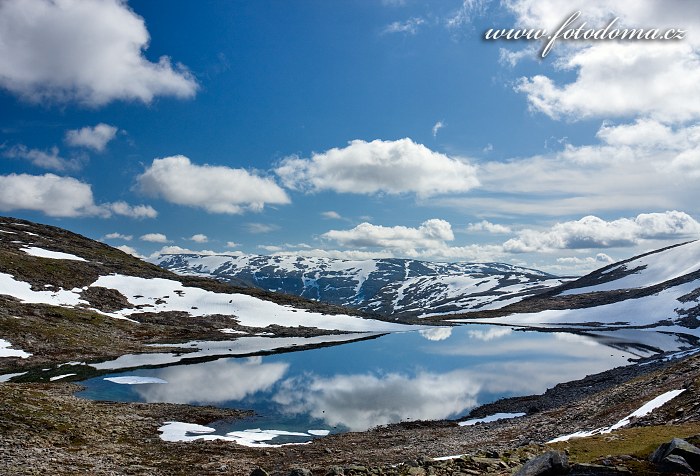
[{"x": 639, "y": 443}]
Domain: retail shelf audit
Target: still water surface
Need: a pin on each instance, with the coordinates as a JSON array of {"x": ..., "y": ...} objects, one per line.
[{"x": 431, "y": 374}]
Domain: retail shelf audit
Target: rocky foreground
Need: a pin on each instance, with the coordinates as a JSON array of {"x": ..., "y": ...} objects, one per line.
[{"x": 44, "y": 429}]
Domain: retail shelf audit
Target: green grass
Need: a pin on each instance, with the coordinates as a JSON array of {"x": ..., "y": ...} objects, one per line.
[{"x": 638, "y": 442}]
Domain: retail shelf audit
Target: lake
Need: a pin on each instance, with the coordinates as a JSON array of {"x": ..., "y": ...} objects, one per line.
[{"x": 437, "y": 373}]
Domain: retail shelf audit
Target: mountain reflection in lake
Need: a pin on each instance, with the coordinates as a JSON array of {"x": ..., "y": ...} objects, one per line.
[{"x": 431, "y": 374}]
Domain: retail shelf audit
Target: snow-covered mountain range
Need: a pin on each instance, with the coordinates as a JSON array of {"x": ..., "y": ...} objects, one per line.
[{"x": 383, "y": 286}]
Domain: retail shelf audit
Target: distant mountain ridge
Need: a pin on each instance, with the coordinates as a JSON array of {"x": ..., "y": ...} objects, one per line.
[{"x": 384, "y": 286}]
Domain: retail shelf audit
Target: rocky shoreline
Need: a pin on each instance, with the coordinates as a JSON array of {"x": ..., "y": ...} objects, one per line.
[{"x": 46, "y": 430}]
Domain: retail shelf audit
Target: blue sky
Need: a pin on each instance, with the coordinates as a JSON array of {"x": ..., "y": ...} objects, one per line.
[{"x": 352, "y": 129}]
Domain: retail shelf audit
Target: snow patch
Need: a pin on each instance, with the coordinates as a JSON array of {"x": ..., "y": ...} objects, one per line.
[
  {"x": 7, "y": 377},
  {"x": 256, "y": 438},
  {"x": 5, "y": 350},
  {"x": 59, "y": 377},
  {"x": 645, "y": 409},
  {"x": 319, "y": 432},
  {"x": 23, "y": 291},
  {"x": 72, "y": 363},
  {"x": 447, "y": 458},
  {"x": 134, "y": 380},
  {"x": 177, "y": 431},
  {"x": 42, "y": 253},
  {"x": 490, "y": 418}
]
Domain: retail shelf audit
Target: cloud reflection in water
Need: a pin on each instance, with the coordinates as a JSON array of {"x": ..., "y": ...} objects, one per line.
[
  {"x": 363, "y": 401},
  {"x": 436, "y": 333},
  {"x": 214, "y": 382}
]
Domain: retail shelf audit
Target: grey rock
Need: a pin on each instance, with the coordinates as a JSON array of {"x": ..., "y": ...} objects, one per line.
[
  {"x": 551, "y": 463},
  {"x": 300, "y": 472},
  {"x": 676, "y": 464},
  {"x": 679, "y": 447},
  {"x": 259, "y": 472},
  {"x": 492, "y": 454},
  {"x": 335, "y": 471},
  {"x": 353, "y": 468},
  {"x": 583, "y": 469}
]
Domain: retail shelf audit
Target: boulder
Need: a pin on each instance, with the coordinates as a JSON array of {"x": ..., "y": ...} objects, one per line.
[
  {"x": 678, "y": 447},
  {"x": 300, "y": 472},
  {"x": 585, "y": 469},
  {"x": 551, "y": 463},
  {"x": 675, "y": 464}
]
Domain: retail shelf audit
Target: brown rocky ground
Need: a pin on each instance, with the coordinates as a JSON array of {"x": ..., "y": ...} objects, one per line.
[{"x": 46, "y": 430}]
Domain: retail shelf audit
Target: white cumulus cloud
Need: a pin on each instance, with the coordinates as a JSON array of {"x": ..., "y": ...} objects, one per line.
[
  {"x": 487, "y": 226},
  {"x": 600, "y": 258},
  {"x": 85, "y": 51},
  {"x": 594, "y": 232},
  {"x": 154, "y": 238},
  {"x": 216, "y": 189},
  {"x": 393, "y": 167},
  {"x": 133, "y": 211},
  {"x": 645, "y": 164},
  {"x": 46, "y": 159},
  {"x": 331, "y": 215},
  {"x": 430, "y": 240},
  {"x": 659, "y": 79},
  {"x": 199, "y": 238},
  {"x": 95, "y": 138},
  {"x": 118, "y": 236},
  {"x": 53, "y": 195},
  {"x": 60, "y": 197},
  {"x": 431, "y": 233},
  {"x": 130, "y": 250}
]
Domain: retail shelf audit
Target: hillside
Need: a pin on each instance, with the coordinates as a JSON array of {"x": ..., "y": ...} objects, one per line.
[
  {"x": 402, "y": 287},
  {"x": 659, "y": 289},
  {"x": 66, "y": 297}
]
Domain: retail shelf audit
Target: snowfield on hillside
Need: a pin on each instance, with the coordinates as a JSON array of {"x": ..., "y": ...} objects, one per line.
[
  {"x": 161, "y": 295},
  {"x": 42, "y": 253},
  {"x": 439, "y": 295},
  {"x": 651, "y": 269},
  {"x": 23, "y": 291},
  {"x": 646, "y": 311}
]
